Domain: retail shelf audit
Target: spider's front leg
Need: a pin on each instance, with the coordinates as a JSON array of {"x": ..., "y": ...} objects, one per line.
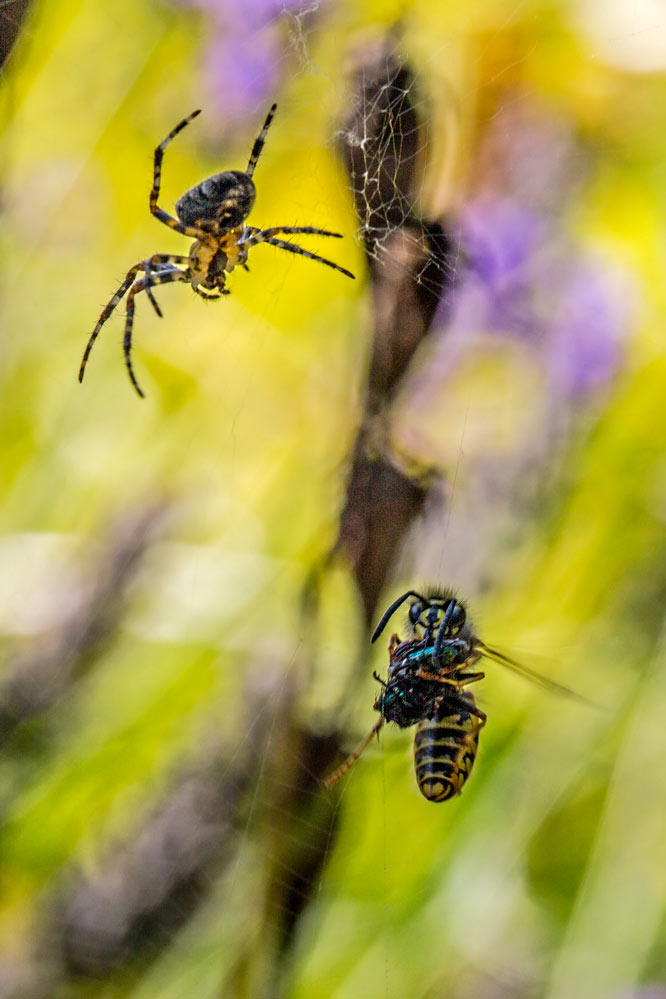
[
  {"x": 252, "y": 237},
  {"x": 159, "y": 213}
]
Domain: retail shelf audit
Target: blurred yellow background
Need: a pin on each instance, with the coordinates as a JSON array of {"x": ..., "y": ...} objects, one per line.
[{"x": 154, "y": 552}]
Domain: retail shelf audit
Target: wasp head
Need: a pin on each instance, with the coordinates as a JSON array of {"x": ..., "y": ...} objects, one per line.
[{"x": 444, "y": 616}]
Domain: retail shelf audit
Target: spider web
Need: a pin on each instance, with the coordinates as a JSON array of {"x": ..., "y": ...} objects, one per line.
[
  {"x": 386, "y": 147},
  {"x": 234, "y": 859}
]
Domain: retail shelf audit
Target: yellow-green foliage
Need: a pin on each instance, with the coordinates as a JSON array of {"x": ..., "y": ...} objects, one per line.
[{"x": 546, "y": 878}]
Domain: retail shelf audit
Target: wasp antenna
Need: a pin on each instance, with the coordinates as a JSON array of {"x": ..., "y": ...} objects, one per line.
[
  {"x": 444, "y": 626},
  {"x": 390, "y": 611}
]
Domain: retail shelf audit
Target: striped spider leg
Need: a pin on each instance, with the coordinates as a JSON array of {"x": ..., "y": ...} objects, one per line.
[{"x": 212, "y": 214}]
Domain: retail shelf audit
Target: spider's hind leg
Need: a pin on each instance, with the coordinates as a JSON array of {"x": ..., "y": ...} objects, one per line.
[
  {"x": 162, "y": 277},
  {"x": 106, "y": 312},
  {"x": 150, "y": 266},
  {"x": 157, "y": 263}
]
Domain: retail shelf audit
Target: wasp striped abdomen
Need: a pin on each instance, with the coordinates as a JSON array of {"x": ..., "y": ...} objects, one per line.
[
  {"x": 426, "y": 686},
  {"x": 445, "y": 749}
]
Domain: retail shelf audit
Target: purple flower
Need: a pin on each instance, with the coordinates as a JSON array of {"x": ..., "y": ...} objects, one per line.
[
  {"x": 241, "y": 73},
  {"x": 239, "y": 16},
  {"x": 584, "y": 346},
  {"x": 526, "y": 280},
  {"x": 243, "y": 60},
  {"x": 499, "y": 236}
]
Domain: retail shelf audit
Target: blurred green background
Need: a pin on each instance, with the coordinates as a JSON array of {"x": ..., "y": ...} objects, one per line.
[{"x": 153, "y": 553}]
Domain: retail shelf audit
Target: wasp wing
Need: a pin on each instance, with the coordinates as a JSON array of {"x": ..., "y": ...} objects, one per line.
[{"x": 542, "y": 681}]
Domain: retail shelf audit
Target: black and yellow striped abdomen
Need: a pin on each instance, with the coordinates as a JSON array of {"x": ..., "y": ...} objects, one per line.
[{"x": 444, "y": 752}]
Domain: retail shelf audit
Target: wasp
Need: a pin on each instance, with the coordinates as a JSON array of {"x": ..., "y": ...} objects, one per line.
[{"x": 426, "y": 687}]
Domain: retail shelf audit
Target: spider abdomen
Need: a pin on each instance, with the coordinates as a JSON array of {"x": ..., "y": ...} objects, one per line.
[{"x": 226, "y": 199}]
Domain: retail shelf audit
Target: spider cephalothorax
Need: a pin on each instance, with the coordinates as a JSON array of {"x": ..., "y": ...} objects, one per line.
[{"x": 212, "y": 214}]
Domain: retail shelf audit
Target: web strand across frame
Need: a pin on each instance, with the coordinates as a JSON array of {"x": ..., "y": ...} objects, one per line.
[{"x": 411, "y": 266}]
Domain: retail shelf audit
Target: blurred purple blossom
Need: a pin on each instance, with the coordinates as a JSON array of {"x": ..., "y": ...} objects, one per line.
[
  {"x": 527, "y": 290},
  {"x": 241, "y": 73},
  {"x": 245, "y": 15},
  {"x": 526, "y": 280},
  {"x": 584, "y": 348},
  {"x": 499, "y": 236},
  {"x": 242, "y": 61}
]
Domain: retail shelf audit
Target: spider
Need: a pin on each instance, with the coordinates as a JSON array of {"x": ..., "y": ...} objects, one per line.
[{"x": 212, "y": 213}]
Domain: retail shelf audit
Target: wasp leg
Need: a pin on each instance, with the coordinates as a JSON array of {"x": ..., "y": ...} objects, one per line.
[
  {"x": 352, "y": 758},
  {"x": 465, "y": 678},
  {"x": 393, "y": 645}
]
